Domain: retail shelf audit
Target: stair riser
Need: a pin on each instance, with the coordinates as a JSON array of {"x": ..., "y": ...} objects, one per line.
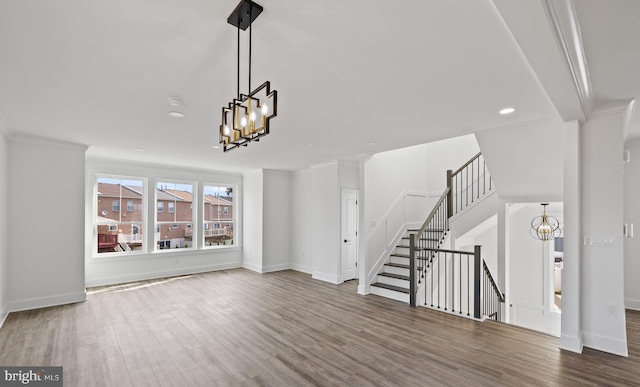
[
  {"x": 393, "y": 281},
  {"x": 404, "y": 297},
  {"x": 402, "y": 250},
  {"x": 396, "y": 270},
  {"x": 400, "y": 260}
]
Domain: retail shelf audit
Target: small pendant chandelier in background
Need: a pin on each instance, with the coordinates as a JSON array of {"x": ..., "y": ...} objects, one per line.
[
  {"x": 247, "y": 117},
  {"x": 545, "y": 227}
]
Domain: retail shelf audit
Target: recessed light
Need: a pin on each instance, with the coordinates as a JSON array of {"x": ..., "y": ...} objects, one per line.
[
  {"x": 140, "y": 149},
  {"x": 175, "y": 101},
  {"x": 309, "y": 144},
  {"x": 176, "y": 114},
  {"x": 215, "y": 146},
  {"x": 371, "y": 143},
  {"x": 507, "y": 110}
]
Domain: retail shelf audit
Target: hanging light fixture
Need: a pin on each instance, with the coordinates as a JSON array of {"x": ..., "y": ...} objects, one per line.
[
  {"x": 545, "y": 227},
  {"x": 247, "y": 117}
]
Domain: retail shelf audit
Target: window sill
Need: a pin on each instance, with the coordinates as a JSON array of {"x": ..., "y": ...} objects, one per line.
[{"x": 164, "y": 253}]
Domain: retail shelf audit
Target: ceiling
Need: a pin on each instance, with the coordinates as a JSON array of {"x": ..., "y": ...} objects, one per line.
[{"x": 353, "y": 78}]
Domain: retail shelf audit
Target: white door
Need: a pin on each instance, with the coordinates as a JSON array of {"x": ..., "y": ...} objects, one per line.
[{"x": 349, "y": 234}]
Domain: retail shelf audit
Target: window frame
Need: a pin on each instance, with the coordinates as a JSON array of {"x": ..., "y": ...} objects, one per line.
[
  {"x": 149, "y": 175},
  {"x": 116, "y": 227},
  {"x": 161, "y": 184},
  {"x": 215, "y": 212}
]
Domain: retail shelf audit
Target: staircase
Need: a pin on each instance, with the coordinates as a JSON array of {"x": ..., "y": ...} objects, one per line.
[{"x": 446, "y": 280}]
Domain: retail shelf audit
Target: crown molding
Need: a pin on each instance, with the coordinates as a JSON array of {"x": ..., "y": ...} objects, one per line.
[
  {"x": 625, "y": 106},
  {"x": 104, "y": 162},
  {"x": 564, "y": 20},
  {"x": 22, "y": 138}
]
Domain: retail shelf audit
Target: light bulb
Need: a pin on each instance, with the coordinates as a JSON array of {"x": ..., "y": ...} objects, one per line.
[
  {"x": 243, "y": 121},
  {"x": 252, "y": 117},
  {"x": 225, "y": 130},
  {"x": 265, "y": 109},
  {"x": 544, "y": 229}
]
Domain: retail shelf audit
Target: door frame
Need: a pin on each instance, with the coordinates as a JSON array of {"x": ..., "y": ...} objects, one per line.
[{"x": 343, "y": 192}]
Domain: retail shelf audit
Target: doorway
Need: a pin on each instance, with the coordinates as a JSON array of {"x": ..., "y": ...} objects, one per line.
[{"x": 349, "y": 234}]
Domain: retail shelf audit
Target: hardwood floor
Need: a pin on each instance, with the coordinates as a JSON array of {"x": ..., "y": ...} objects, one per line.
[{"x": 238, "y": 327}]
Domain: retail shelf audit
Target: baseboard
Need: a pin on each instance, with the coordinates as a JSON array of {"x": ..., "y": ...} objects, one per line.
[
  {"x": 160, "y": 274},
  {"x": 3, "y": 315},
  {"x": 44, "y": 302},
  {"x": 605, "y": 344},
  {"x": 364, "y": 289},
  {"x": 325, "y": 277},
  {"x": 272, "y": 268},
  {"x": 632, "y": 304},
  {"x": 571, "y": 343},
  {"x": 302, "y": 268},
  {"x": 252, "y": 267}
]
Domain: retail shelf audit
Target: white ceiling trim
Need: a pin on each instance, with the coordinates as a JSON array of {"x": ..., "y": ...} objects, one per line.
[
  {"x": 626, "y": 106},
  {"x": 563, "y": 18},
  {"x": 45, "y": 141}
]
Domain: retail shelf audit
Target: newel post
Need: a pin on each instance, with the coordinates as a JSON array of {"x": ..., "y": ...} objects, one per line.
[
  {"x": 412, "y": 270},
  {"x": 476, "y": 281},
  {"x": 450, "y": 194}
]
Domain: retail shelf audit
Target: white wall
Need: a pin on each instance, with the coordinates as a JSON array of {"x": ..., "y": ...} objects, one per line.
[
  {"x": 602, "y": 216},
  {"x": 447, "y": 154},
  {"x": 527, "y": 265},
  {"x": 325, "y": 222},
  {"x": 253, "y": 220},
  {"x": 315, "y": 217},
  {"x": 632, "y": 215},
  {"x": 388, "y": 175},
  {"x": 571, "y": 330},
  {"x": 103, "y": 270},
  {"x": 4, "y": 176},
  {"x": 301, "y": 221},
  {"x": 46, "y": 237},
  {"x": 524, "y": 159},
  {"x": 276, "y": 232}
]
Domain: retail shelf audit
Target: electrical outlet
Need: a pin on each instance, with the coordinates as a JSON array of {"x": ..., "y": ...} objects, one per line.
[{"x": 612, "y": 310}]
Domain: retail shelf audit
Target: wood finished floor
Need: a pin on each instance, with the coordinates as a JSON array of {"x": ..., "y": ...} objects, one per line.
[{"x": 238, "y": 327}]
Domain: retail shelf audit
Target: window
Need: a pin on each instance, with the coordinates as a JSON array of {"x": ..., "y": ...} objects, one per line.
[
  {"x": 173, "y": 224},
  {"x": 187, "y": 214},
  {"x": 118, "y": 231},
  {"x": 217, "y": 205}
]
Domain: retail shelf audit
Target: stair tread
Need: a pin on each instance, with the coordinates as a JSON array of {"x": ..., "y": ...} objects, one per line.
[
  {"x": 391, "y": 287},
  {"x": 400, "y": 255},
  {"x": 428, "y": 229},
  {"x": 415, "y": 248},
  {"x": 396, "y": 276},
  {"x": 401, "y": 265},
  {"x": 424, "y": 239}
]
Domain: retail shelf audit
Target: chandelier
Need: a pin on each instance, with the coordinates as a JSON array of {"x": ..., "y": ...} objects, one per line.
[
  {"x": 545, "y": 227},
  {"x": 247, "y": 117}
]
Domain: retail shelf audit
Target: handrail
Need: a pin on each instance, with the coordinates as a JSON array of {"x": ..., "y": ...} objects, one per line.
[
  {"x": 432, "y": 214},
  {"x": 492, "y": 281},
  {"x": 467, "y": 164},
  {"x": 468, "y": 184}
]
